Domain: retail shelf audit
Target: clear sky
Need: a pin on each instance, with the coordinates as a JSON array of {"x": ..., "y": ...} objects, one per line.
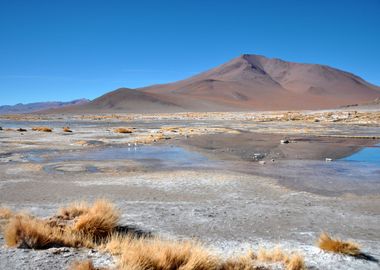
[{"x": 64, "y": 50}]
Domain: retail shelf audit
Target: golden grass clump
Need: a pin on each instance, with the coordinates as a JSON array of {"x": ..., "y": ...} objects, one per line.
[
  {"x": 271, "y": 255},
  {"x": 158, "y": 254},
  {"x": 326, "y": 243},
  {"x": 123, "y": 130},
  {"x": 114, "y": 243},
  {"x": 42, "y": 129},
  {"x": 238, "y": 264},
  {"x": 66, "y": 129},
  {"x": 73, "y": 210},
  {"x": 98, "y": 221},
  {"x": 85, "y": 265},
  {"x": 295, "y": 262},
  {"x": 5, "y": 213},
  {"x": 82, "y": 265},
  {"x": 144, "y": 254},
  {"x": 277, "y": 255},
  {"x": 245, "y": 262},
  {"x": 29, "y": 232},
  {"x": 77, "y": 225}
]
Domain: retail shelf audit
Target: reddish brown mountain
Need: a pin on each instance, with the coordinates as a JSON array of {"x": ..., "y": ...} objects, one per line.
[{"x": 249, "y": 82}]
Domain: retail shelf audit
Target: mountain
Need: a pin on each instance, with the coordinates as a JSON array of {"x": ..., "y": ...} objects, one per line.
[
  {"x": 38, "y": 106},
  {"x": 248, "y": 82},
  {"x": 127, "y": 99}
]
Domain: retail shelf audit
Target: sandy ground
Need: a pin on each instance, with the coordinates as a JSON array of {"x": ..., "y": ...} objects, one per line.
[{"x": 224, "y": 196}]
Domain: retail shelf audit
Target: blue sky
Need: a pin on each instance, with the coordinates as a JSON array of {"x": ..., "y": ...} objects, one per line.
[{"x": 63, "y": 50}]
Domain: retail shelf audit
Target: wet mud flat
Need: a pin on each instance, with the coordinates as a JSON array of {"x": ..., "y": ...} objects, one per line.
[{"x": 219, "y": 186}]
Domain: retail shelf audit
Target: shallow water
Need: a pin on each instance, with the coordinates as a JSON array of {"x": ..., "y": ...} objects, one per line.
[
  {"x": 366, "y": 154},
  {"x": 357, "y": 173},
  {"x": 168, "y": 156}
]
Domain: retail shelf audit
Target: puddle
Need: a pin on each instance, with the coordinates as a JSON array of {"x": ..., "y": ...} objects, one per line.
[
  {"x": 367, "y": 155},
  {"x": 57, "y": 169}
]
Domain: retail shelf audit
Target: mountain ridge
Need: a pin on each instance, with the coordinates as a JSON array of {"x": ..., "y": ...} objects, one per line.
[
  {"x": 247, "y": 82},
  {"x": 20, "y": 108}
]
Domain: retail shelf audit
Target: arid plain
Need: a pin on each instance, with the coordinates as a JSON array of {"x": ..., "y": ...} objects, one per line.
[{"x": 233, "y": 181}]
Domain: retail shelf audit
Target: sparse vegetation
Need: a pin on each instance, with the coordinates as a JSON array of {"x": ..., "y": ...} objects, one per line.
[
  {"x": 84, "y": 265},
  {"x": 144, "y": 254},
  {"x": 123, "y": 130},
  {"x": 29, "y": 232},
  {"x": 66, "y": 129},
  {"x": 73, "y": 210},
  {"x": 5, "y": 213},
  {"x": 42, "y": 129},
  {"x": 245, "y": 262},
  {"x": 326, "y": 243},
  {"x": 161, "y": 254},
  {"x": 293, "y": 261},
  {"x": 94, "y": 226},
  {"x": 98, "y": 221},
  {"x": 78, "y": 225}
]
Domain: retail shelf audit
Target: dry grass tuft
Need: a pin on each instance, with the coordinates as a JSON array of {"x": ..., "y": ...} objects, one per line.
[
  {"x": 277, "y": 255},
  {"x": 77, "y": 225},
  {"x": 73, "y": 210},
  {"x": 5, "y": 213},
  {"x": 85, "y": 265},
  {"x": 271, "y": 255},
  {"x": 295, "y": 262},
  {"x": 43, "y": 129},
  {"x": 123, "y": 130},
  {"x": 326, "y": 243},
  {"x": 144, "y": 254},
  {"x": 237, "y": 264},
  {"x": 99, "y": 221},
  {"x": 29, "y": 232},
  {"x": 158, "y": 254},
  {"x": 114, "y": 243},
  {"x": 246, "y": 262},
  {"x": 66, "y": 129}
]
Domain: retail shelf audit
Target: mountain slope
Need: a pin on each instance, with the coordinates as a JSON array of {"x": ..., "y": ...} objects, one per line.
[
  {"x": 123, "y": 99},
  {"x": 257, "y": 82},
  {"x": 248, "y": 82}
]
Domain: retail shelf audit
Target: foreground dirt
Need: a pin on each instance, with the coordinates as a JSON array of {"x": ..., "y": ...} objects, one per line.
[{"x": 231, "y": 202}]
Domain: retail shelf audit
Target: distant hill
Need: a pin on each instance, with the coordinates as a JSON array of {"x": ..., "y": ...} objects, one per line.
[
  {"x": 248, "y": 82},
  {"x": 38, "y": 106}
]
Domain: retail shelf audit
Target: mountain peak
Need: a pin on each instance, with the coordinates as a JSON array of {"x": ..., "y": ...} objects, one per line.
[{"x": 247, "y": 82}]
